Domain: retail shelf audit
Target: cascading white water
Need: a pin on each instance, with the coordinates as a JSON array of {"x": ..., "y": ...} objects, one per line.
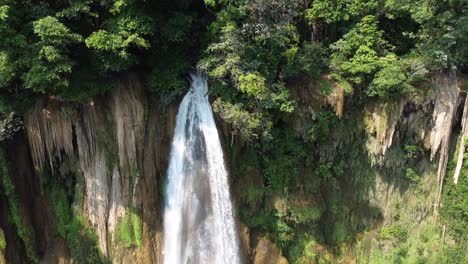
[{"x": 199, "y": 226}]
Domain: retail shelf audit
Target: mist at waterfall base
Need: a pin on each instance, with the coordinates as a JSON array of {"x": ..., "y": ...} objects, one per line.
[{"x": 199, "y": 226}]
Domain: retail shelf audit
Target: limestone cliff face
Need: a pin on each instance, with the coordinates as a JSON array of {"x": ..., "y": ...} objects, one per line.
[
  {"x": 370, "y": 139},
  {"x": 446, "y": 99},
  {"x": 100, "y": 129},
  {"x": 33, "y": 208},
  {"x": 463, "y": 137},
  {"x": 119, "y": 146},
  {"x": 426, "y": 122}
]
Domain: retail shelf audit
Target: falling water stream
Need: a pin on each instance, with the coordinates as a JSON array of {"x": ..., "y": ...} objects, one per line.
[{"x": 199, "y": 226}]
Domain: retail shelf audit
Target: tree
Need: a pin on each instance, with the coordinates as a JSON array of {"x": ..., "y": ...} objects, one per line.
[
  {"x": 127, "y": 29},
  {"x": 51, "y": 65}
]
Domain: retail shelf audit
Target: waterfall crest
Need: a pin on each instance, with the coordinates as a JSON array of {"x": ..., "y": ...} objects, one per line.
[{"x": 199, "y": 226}]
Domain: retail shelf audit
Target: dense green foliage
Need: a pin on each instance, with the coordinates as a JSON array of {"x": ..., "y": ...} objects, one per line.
[
  {"x": 254, "y": 52},
  {"x": 129, "y": 229},
  {"x": 71, "y": 224},
  {"x": 455, "y": 205},
  {"x": 2, "y": 241},
  {"x": 250, "y": 49},
  {"x": 80, "y": 237}
]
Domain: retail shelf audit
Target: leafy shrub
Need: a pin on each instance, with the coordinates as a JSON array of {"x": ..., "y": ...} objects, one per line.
[
  {"x": 335, "y": 11},
  {"x": 363, "y": 57},
  {"x": 263, "y": 219},
  {"x": 303, "y": 250},
  {"x": 129, "y": 229},
  {"x": 24, "y": 232},
  {"x": 307, "y": 214},
  {"x": 284, "y": 233},
  {"x": 167, "y": 81},
  {"x": 308, "y": 60},
  {"x": 52, "y": 66},
  {"x": 2, "y": 241},
  {"x": 341, "y": 232},
  {"x": 254, "y": 195},
  {"x": 322, "y": 126},
  {"x": 394, "y": 232},
  {"x": 253, "y": 84},
  {"x": 246, "y": 124},
  {"x": 121, "y": 34},
  {"x": 80, "y": 237},
  {"x": 282, "y": 160},
  {"x": 412, "y": 176},
  {"x": 390, "y": 80},
  {"x": 455, "y": 204},
  {"x": 453, "y": 254},
  {"x": 412, "y": 151}
]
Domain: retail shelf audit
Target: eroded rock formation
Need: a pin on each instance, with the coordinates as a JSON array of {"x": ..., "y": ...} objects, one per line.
[
  {"x": 120, "y": 145},
  {"x": 463, "y": 137},
  {"x": 446, "y": 97},
  {"x": 120, "y": 157}
]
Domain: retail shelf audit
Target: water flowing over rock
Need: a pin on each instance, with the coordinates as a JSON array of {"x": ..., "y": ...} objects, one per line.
[{"x": 199, "y": 226}]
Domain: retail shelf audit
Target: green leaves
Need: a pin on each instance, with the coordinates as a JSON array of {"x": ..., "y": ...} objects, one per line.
[
  {"x": 51, "y": 66},
  {"x": 112, "y": 44},
  {"x": 308, "y": 60},
  {"x": 331, "y": 11},
  {"x": 247, "y": 125},
  {"x": 129, "y": 229},
  {"x": 363, "y": 57},
  {"x": 7, "y": 72},
  {"x": 3, "y": 243},
  {"x": 389, "y": 81},
  {"x": 253, "y": 84},
  {"x": 103, "y": 40},
  {"x": 283, "y": 157},
  {"x": 4, "y": 12},
  {"x": 76, "y": 9},
  {"x": 52, "y": 32}
]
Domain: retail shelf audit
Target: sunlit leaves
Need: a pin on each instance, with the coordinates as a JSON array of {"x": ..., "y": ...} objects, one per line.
[
  {"x": 125, "y": 31},
  {"x": 6, "y": 71},
  {"x": 76, "y": 8},
  {"x": 51, "y": 31},
  {"x": 52, "y": 65},
  {"x": 253, "y": 84},
  {"x": 389, "y": 81},
  {"x": 331, "y": 11},
  {"x": 362, "y": 57},
  {"x": 248, "y": 125}
]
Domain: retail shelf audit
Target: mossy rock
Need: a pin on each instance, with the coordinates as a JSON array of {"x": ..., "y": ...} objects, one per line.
[
  {"x": 2, "y": 241},
  {"x": 129, "y": 229}
]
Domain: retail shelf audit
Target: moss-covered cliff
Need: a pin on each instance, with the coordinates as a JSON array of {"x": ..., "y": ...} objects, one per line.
[
  {"x": 344, "y": 126},
  {"x": 85, "y": 181}
]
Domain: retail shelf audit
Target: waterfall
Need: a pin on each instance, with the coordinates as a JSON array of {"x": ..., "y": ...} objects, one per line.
[{"x": 199, "y": 226}]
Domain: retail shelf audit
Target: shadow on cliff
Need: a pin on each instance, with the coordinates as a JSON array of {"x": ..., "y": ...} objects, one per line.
[{"x": 34, "y": 208}]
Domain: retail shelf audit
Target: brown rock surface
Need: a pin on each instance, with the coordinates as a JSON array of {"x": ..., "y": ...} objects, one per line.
[{"x": 266, "y": 252}]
